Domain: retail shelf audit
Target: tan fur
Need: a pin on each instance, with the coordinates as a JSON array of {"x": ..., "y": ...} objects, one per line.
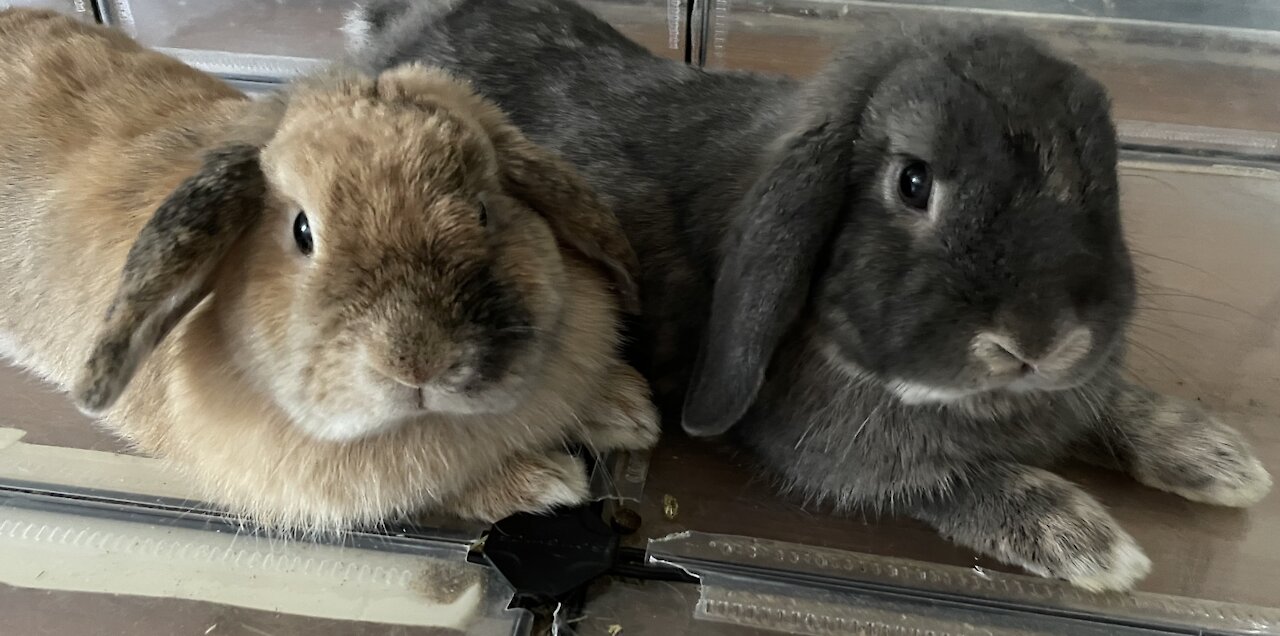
[{"x": 275, "y": 391}]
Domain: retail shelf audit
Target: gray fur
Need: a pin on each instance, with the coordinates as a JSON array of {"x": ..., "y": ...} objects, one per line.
[{"x": 773, "y": 247}]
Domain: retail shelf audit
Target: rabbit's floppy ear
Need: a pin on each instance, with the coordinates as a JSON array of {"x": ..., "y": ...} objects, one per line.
[
  {"x": 544, "y": 181},
  {"x": 577, "y": 216},
  {"x": 167, "y": 270},
  {"x": 776, "y": 238},
  {"x": 369, "y": 19}
]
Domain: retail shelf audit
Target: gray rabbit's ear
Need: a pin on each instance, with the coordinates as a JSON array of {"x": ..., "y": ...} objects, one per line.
[
  {"x": 168, "y": 268},
  {"x": 780, "y": 232},
  {"x": 764, "y": 279},
  {"x": 369, "y": 19}
]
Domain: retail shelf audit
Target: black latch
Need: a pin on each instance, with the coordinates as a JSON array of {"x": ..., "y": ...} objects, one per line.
[{"x": 548, "y": 557}]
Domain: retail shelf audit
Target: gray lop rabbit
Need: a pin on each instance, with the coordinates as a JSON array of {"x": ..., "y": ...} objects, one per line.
[{"x": 902, "y": 283}]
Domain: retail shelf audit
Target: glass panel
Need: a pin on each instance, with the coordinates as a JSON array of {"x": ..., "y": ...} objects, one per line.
[
  {"x": 271, "y": 39},
  {"x": 162, "y": 574},
  {"x": 749, "y": 581},
  {"x": 1204, "y": 63},
  {"x": 79, "y": 8}
]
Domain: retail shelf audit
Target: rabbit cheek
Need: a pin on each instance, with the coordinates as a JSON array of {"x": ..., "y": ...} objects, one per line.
[{"x": 330, "y": 394}]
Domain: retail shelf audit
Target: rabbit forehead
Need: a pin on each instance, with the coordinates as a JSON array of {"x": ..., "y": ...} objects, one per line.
[
  {"x": 931, "y": 113},
  {"x": 369, "y": 159}
]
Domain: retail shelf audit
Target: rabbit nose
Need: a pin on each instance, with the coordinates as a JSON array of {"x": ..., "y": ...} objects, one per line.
[
  {"x": 1004, "y": 355},
  {"x": 417, "y": 372}
]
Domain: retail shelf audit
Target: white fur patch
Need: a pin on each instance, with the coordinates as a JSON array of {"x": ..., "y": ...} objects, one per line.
[
  {"x": 9, "y": 347},
  {"x": 1237, "y": 490},
  {"x": 355, "y": 29},
  {"x": 449, "y": 402},
  {"x": 566, "y": 485},
  {"x": 1128, "y": 565},
  {"x": 914, "y": 394},
  {"x": 344, "y": 427}
]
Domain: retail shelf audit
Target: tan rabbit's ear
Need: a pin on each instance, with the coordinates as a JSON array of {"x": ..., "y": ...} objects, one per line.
[
  {"x": 545, "y": 182},
  {"x": 575, "y": 213},
  {"x": 168, "y": 268}
]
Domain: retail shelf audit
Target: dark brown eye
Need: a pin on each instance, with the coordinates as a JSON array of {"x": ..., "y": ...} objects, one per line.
[
  {"x": 915, "y": 184},
  {"x": 302, "y": 234},
  {"x": 483, "y": 214}
]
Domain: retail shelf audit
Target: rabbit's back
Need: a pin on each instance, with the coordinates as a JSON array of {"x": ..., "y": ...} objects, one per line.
[
  {"x": 625, "y": 117},
  {"x": 70, "y": 87},
  {"x": 94, "y": 132}
]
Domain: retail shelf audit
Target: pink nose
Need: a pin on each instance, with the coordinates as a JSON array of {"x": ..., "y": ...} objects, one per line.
[{"x": 1004, "y": 355}]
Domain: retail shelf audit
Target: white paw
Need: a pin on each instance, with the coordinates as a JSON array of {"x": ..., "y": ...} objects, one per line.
[
  {"x": 1059, "y": 531},
  {"x": 627, "y": 429},
  {"x": 1119, "y": 571},
  {"x": 1196, "y": 456},
  {"x": 1239, "y": 486},
  {"x": 624, "y": 417},
  {"x": 557, "y": 480}
]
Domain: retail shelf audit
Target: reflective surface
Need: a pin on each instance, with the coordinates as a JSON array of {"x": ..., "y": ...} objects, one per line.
[
  {"x": 1170, "y": 62},
  {"x": 79, "y": 8},
  {"x": 122, "y": 570},
  {"x": 278, "y": 38}
]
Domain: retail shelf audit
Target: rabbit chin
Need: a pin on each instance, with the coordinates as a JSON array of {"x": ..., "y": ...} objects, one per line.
[
  {"x": 408, "y": 407},
  {"x": 913, "y": 393},
  {"x": 494, "y": 401}
]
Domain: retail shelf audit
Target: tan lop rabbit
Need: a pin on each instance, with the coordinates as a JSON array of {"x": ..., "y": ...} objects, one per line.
[{"x": 362, "y": 298}]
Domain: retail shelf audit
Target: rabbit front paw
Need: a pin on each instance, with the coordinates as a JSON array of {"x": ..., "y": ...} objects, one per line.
[
  {"x": 1203, "y": 460},
  {"x": 525, "y": 483},
  {"x": 1034, "y": 519},
  {"x": 623, "y": 416},
  {"x": 1174, "y": 445},
  {"x": 1085, "y": 547}
]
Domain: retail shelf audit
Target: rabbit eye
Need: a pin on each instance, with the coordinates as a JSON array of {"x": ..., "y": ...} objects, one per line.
[
  {"x": 915, "y": 184},
  {"x": 302, "y": 234},
  {"x": 483, "y": 215}
]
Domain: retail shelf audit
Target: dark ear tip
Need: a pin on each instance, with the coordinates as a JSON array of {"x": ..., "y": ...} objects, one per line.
[
  {"x": 698, "y": 420},
  {"x": 695, "y": 427},
  {"x": 630, "y": 297},
  {"x": 95, "y": 392},
  {"x": 93, "y": 401}
]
